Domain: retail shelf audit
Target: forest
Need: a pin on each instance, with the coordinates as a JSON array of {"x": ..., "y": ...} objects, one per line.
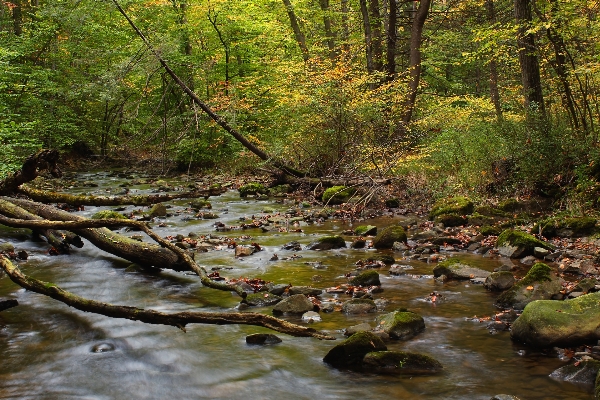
[{"x": 439, "y": 139}]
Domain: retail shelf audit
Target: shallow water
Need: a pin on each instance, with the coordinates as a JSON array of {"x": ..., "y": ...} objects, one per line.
[{"x": 51, "y": 351}]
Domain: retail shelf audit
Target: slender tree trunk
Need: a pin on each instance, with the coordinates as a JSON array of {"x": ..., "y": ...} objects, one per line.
[
  {"x": 391, "y": 40},
  {"x": 494, "y": 92},
  {"x": 345, "y": 28},
  {"x": 213, "y": 21},
  {"x": 368, "y": 36},
  {"x": 300, "y": 38},
  {"x": 416, "y": 37},
  {"x": 328, "y": 29},
  {"x": 377, "y": 45},
  {"x": 17, "y": 14},
  {"x": 528, "y": 60}
]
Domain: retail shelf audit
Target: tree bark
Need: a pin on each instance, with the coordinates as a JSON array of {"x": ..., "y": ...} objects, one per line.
[
  {"x": 368, "y": 36},
  {"x": 391, "y": 41},
  {"x": 300, "y": 38},
  {"x": 330, "y": 35},
  {"x": 416, "y": 37},
  {"x": 377, "y": 45},
  {"x": 528, "y": 60},
  {"x": 493, "y": 67},
  {"x": 179, "y": 320}
]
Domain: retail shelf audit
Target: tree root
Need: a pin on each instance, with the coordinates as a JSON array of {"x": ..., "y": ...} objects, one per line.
[{"x": 179, "y": 320}]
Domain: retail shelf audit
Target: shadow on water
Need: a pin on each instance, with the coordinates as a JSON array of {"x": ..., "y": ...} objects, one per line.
[{"x": 51, "y": 351}]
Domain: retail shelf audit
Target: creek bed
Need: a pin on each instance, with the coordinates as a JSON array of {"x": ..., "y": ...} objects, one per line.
[{"x": 50, "y": 350}]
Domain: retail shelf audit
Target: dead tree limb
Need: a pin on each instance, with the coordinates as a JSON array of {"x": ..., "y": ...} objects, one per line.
[
  {"x": 179, "y": 320},
  {"x": 136, "y": 200},
  {"x": 9, "y": 303},
  {"x": 183, "y": 260},
  {"x": 207, "y": 110},
  {"x": 43, "y": 159}
]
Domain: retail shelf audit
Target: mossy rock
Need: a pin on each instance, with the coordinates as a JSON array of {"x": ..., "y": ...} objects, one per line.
[
  {"x": 565, "y": 226},
  {"x": 366, "y": 278},
  {"x": 511, "y": 205},
  {"x": 350, "y": 353},
  {"x": 455, "y": 205},
  {"x": 337, "y": 195},
  {"x": 490, "y": 230},
  {"x": 547, "y": 323},
  {"x": 384, "y": 258},
  {"x": 107, "y": 214},
  {"x": 540, "y": 283},
  {"x": 158, "y": 210},
  {"x": 328, "y": 243},
  {"x": 365, "y": 230},
  {"x": 280, "y": 190},
  {"x": 386, "y": 238},
  {"x": 453, "y": 268},
  {"x": 400, "y": 363},
  {"x": 253, "y": 188},
  {"x": 516, "y": 244},
  {"x": 198, "y": 204},
  {"x": 401, "y": 325},
  {"x": 450, "y": 220},
  {"x": 489, "y": 211},
  {"x": 480, "y": 219}
]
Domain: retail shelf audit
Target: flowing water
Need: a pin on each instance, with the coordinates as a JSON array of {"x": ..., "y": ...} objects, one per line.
[{"x": 51, "y": 351}]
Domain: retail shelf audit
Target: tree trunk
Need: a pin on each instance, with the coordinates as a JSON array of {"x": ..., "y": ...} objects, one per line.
[
  {"x": 416, "y": 37},
  {"x": 345, "y": 29},
  {"x": 328, "y": 29},
  {"x": 368, "y": 36},
  {"x": 528, "y": 60},
  {"x": 300, "y": 38},
  {"x": 391, "y": 41},
  {"x": 494, "y": 92},
  {"x": 17, "y": 15},
  {"x": 43, "y": 159},
  {"x": 377, "y": 45}
]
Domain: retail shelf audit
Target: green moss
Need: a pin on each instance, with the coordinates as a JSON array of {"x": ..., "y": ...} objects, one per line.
[
  {"x": 490, "y": 211},
  {"x": 397, "y": 361},
  {"x": 539, "y": 272},
  {"x": 252, "y": 188},
  {"x": 364, "y": 230},
  {"x": 198, "y": 204},
  {"x": 451, "y": 220},
  {"x": 510, "y": 205},
  {"x": 449, "y": 262},
  {"x": 384, "y": 258},
  {"x": 366, "y": 278},
  {"x": 480, "y": 219},
  {"x": 386, "y": 238},
  {"x": 280, "y": 190},
  {"x": 350, "y": 352},
  {"x": 517, "y": 238},
  {"x": 576, "y": 225},
  {"x": 456, "y": 205},
  {"x": 106, "y": 214},
  {"x": 337, "y": 195}
]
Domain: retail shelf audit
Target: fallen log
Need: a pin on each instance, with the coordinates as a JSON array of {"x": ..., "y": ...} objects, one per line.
[
  {"x": 179, "y": 320},
  {"x": 9, "y": 303},
  {"x": 83, "y": 224},
  {"x": 136, "y": 200},
  {"x": 43, "y": 159}
]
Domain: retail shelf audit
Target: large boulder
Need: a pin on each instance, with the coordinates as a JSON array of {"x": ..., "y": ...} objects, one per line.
[
  {"x": 386, "y": 238},
  {"x": 517, "y": 244},
  {"x": 295, "y": 304},
  {"x": 365, "y": 230},
  {"x": 350, "y": 353},
  {"x": 401, "y": 325},
  {"x": 452, "y": 268},
  {"x": 581, "y": 373},
  {"x": 540, "y": 283},
  {"x": 366, "y": 278},
  {"x": 400, "y": 362},
  {"x": 547, "y": 323},
  {"x": 327, "y": 243}
]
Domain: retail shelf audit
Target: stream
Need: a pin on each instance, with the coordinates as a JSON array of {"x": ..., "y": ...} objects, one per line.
[{"x": 51, "y": 351}]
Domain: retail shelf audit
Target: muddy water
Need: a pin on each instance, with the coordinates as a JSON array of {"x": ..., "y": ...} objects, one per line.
[{"x": 50, "y": 351}]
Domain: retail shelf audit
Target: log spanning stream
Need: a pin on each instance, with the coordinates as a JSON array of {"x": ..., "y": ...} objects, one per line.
[{"x": 49, "y": 350}]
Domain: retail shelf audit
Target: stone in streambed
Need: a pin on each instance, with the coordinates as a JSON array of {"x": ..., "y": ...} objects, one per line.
[
  {"x": 540, "y": 283},
  {"x": 454, "y": 269},
  {"x": 328, "y": 243},
  {"x": 499, "y": 281},
  {"x": 366, "y": 278},
  {"x": 401, "y": 325},
  {"x": 386, "y": 238},
  {"x": 295, "y": 304},
  {"x": 359, "y": 306},
  {"x": 262, "y": 338},
  {"x": 262, "y": 299},
  {"x": 350, "y": 353},
  {"x": 401, "y": 363}
]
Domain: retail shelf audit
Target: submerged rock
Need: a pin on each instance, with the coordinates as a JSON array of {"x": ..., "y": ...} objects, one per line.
[
  {"x": 295, "y": 304},
  {"x": 350, "y": 353},
  {"x": 540, "y": 283},
  {"x": 546, "y": 323},
  {"x": 327, "y": 243},
  {"x": 305, "y": 290},
  {"x": 262, "y": 338},
  {"x": 364, "y": 327},
  {"x": 400, "y": 362},
  {"x": 582, "y": 373},
  {"x": 499, "y": 281},
  {"x": 401, "y": 325}
]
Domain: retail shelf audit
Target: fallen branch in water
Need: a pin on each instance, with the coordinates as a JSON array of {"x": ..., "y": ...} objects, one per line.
[{"x": 179, "y": 320}]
